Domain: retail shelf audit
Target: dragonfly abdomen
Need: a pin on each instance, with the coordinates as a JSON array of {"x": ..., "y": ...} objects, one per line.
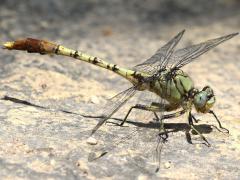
[{"x": 45, "y": 47}]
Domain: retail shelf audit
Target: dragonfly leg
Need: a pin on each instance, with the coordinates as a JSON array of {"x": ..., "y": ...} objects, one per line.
[
  {"x": 137, "y": 106},
  {"x": 190, "y": 121},
  {"x": 173, "y": 115},
  {"x": 219, "y": 123},
  {"x": 195, "y": 119},
  {"x": 168, "y": 116},
  {"x": 155, "y": 107},
  {"x": 161, "y": 128}
]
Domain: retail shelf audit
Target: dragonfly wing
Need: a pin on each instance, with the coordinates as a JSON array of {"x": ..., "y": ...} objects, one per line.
[
  {"x": 186, "y": 55},
  {"x": 159, "y": 59},
  {"x": 114, "y": 104},
  {"x": 139, "y": 138}
]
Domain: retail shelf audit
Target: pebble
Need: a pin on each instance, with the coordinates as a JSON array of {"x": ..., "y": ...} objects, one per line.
[
  {"x": 167, "y": 165},
  {"x": 95, "y": 100},
  {"x": 91, "y": 141},
  {"x": 52, "y": 162},
  {"x": 142, "y": 177},
  {"x": 198, "y": 146}
]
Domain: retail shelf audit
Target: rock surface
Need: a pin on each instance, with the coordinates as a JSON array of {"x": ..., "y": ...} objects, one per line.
[{"x": 42, "y": 132}]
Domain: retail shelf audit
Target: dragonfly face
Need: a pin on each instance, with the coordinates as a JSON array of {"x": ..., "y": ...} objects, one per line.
[{"x": 204, "y": 100}]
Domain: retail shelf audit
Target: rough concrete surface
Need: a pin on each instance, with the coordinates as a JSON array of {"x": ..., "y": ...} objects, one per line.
[{"x": 50, "y": 142}]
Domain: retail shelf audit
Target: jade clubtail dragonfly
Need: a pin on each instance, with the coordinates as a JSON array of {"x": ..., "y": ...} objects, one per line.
[{"x": 160, "y": 74}]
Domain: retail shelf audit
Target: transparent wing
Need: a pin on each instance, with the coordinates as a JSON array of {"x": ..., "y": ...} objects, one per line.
[
  {"x": 148, "y": 136},
  {"x": 114, "y": 104},
  {"x": 138, "y": 137},
  {"x": 186, "y": 55},
  {"x": 137, "y": 141},
  {"x": 160, "y": 58}
]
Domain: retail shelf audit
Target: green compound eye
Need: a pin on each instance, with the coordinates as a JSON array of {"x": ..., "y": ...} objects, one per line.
[
  {"x": 204, "y": 100},
  {"x": 210, "y": 102},
  {"x": 200, "y": 99}
]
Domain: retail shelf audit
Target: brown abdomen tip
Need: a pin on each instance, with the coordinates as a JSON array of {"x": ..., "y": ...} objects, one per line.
[{"x": 31, "y": 45}]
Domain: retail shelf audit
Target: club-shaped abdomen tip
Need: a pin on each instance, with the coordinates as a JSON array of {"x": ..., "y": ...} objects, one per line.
[{"x": 8, "y": 45}]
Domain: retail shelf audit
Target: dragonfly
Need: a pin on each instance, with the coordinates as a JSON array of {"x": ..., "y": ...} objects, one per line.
[{"x": 160, "y": 74}]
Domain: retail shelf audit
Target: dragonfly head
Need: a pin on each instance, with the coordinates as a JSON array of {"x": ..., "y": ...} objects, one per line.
[{"x": 204, "y": 99}]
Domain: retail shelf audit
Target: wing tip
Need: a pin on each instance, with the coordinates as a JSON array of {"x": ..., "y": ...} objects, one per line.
[
  {"x": 183, "y": 31},
  {"x": 99, "y": 124},
  {"x": 180, "y": 34},
  {"x": 234, "y": 34},
  {"x": 95, "y": 129},
  {"x": 229, "y": 36}
]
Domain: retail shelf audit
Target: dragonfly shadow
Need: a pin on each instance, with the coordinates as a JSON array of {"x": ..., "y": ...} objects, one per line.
[{"x": 170, "y": 127}]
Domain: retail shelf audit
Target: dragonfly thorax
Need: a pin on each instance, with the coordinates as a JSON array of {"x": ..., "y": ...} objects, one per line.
[{"x": 172, "y": 86}]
